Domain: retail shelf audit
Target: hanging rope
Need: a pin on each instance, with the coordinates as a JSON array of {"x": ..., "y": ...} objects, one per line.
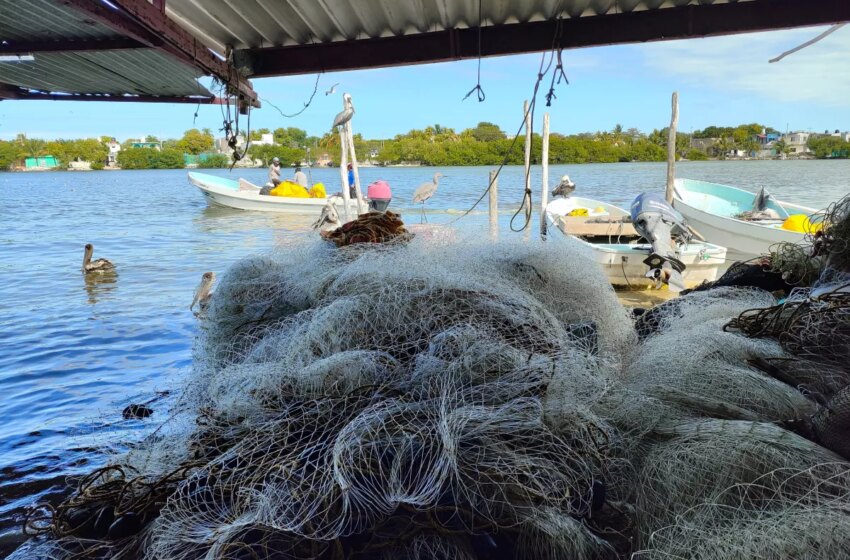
[
  {"x": 306, "y": 104},
  {"x": 823, "y": 35},
  {"x": 477, "y": 88}
]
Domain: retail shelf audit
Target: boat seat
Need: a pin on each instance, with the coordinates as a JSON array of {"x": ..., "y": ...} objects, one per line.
[{"x": 586, "y": 226}]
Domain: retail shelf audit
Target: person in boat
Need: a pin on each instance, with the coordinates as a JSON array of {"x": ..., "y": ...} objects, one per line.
[
  {"x": 300, "y": 178},
  {"x": 274, "y": 172},
  {"x": 352, "y": 192}
]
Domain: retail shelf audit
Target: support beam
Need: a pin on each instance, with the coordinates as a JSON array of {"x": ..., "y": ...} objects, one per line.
[
  {"x": 77, "y": 45},
  {"x": 148, "y": 24},
  {"x": 692, "y": 21}
]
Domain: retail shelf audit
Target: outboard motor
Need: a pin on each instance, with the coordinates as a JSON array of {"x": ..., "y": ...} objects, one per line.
[
  {"x": 379, "y": 195},
  {"x": 658, "y": 222}
]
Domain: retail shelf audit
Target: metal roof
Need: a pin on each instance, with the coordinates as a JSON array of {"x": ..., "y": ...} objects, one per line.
[
  {"x": 156, "y": 49},
  {"x": 117, "y": 72},
  {"x": 265, "y": 23}
]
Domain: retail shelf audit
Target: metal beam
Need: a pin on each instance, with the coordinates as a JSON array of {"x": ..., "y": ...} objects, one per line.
[
  {"x": 79, "y": 45},
  {"x": 146, "y": 23},
  {"x": 8, "y": 91},
  {"x": 692, "y": 21}
]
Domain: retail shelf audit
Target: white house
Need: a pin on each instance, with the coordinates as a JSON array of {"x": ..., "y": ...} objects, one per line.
[
  {"x": 797, "y": 142},
  {"x": 112, "y": 156}
]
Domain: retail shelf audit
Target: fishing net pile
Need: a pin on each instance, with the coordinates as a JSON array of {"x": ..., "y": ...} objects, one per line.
[{"x": 465, "y": 400}]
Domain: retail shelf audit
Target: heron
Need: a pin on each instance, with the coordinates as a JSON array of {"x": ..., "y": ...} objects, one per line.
[
  {"x": 96, "y": 266},
  {"x": 565, "y": 187},
  {"x": 203, "y": 294},
  {"x": 332, "y": 90},
  {"x": 329, "y": 218},
  {"x": 345, "y": 115},
  {"x": 425, "y": 191}
]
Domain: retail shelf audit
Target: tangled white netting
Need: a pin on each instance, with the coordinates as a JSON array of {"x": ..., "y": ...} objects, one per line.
[{"x": 459, "y": 400}]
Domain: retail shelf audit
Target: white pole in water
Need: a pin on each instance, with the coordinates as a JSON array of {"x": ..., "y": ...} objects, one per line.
[
  {"x": 544, "y": 160},
  {"x": 343, "y": 174},
  {"x": 527, "y": 158},
  {"x": 494, "y": 205},
  {"x": 671, "y": 149},
  {"x": 361, "y": 205}
]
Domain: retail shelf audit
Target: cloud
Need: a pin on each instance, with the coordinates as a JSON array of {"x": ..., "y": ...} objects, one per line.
[{"x": 739, "y": 64}]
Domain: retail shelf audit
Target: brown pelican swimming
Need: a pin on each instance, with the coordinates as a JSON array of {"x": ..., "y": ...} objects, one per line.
[
  {"x": 203, "y": 294},
  {"x": 99, "y": 265},
  {"x": 425, "y": 191}
]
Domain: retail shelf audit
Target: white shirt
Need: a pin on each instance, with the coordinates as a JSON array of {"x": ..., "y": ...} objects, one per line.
[{"x": 301, "y": 179}]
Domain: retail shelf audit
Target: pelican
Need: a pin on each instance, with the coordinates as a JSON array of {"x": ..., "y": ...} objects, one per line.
[
  {"x": 565, "y": 188},
  {"x": 345, "y": 115},
  {"x": 203, "y": 293},
  {"x": 99, "y": 265},
  {"x": 329, "y": 219},
  {"x": 332, "y": 90},
  {"x": 425, "y": 191}
]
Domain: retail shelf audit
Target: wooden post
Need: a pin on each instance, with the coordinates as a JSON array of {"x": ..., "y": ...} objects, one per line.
[
  {"x": 671, "y": 149},
  {"x": 361, "y": 204},
  {"x": 544, "y": 160},
  {"x": 343, "y": 174},
  {"x": 494, "y": 205},
  {"x": 527, "y": 159}
]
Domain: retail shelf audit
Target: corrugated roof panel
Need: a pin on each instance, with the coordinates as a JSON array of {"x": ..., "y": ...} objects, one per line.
[
  {"x": 263, "y": 23},
  {"x": 37, "y": 20},
  {"x": 140, "y": 72}
]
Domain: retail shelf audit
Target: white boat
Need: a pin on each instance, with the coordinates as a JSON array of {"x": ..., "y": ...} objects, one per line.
[
  {"x": 246, "y": 196},
  {"x": 714, "y": 212},
  {"x": 608, "y": 232}
]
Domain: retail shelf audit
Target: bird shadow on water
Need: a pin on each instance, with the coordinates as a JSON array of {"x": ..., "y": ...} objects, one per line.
[{"x": 100, "y": 286}]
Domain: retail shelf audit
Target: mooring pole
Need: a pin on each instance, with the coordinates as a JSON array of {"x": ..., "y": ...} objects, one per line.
[
  {"x": 527, "y": 161},
  {"x": 361, "y": 204},
  {"x": 671, "y": 149},
  {"x": 544, "y": 160},
  {"x": 343, "y": 174},
  {"x": 494, "y": 205}
]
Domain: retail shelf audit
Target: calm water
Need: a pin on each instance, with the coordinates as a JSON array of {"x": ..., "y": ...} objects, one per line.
[{"x": 74, "y": 352}]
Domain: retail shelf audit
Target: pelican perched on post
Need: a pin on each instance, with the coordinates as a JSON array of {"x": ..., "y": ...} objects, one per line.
[
  {"x": 346, "y": 114},
  {"x": 329, "y": 219},
  {"x": 203, "y": 293},
  {"x": 565, "y": 188},
  {"x": 425, "y": 191},
  {"x": 99, "y": 265}
]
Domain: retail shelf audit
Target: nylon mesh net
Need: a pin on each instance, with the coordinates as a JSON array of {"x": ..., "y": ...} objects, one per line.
[{"x": 433, "y": 399}]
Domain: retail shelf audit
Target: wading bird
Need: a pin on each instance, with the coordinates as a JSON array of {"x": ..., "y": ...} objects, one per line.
[
  {"x": 99, "y": 265},
  {"x": 203, "y": 294},
  {"x": 425, "y": 191},
  {"x": 565, "y": 188},
  {"x": 345, "y": 115}
]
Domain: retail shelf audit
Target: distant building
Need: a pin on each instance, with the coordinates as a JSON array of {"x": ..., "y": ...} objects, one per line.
[
  {"x": 39, "y": 163},
  {"x": 797, "y": 141},
  {"x": 143, "y": 144},
  {"x": 112, "y": 156},
  {"x": 221, "y": 146},
  {"x": 324, "y": 160},
  {"x": 704, "y": 144},
  {"x": 265, "y": 140},
  {"x": 766, "y": 138}
]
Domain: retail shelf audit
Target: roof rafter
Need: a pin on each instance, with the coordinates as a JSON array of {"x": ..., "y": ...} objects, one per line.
[
  {"x": 8, "y": 91},
  {"x": 148, "y": 24},
  {"x": 75, "y": 45}
]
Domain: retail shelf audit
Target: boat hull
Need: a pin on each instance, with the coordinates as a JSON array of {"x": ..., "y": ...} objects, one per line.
[
  {"x": 225, "y": 192},
  {"x": 623, "y": 262},
  {"x": 744, "y": 240}
]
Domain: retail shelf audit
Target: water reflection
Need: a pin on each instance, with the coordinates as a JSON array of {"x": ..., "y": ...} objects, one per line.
[{"x": 101, "y": 284}]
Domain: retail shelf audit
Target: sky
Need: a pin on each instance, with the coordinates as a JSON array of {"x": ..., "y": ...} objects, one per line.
[{"x": 721, "y": 81}]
